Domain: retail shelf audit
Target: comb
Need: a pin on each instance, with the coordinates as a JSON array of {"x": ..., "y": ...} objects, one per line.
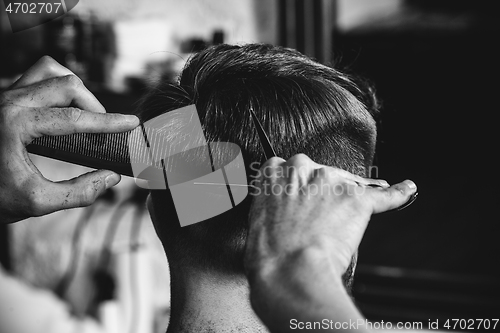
[
  {"x": 118, "y": 151},
  {"x": 128, "y": 153},
  {"x": 111, "y": 151}
]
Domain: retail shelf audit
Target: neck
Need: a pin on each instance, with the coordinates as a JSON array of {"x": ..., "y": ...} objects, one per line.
[{"x": 210, "y": 302}]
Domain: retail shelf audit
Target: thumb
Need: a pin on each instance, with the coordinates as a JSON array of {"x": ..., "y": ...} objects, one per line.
[
  {"x": 81, "y": 191},
  {"x": 385, "y": 199}
]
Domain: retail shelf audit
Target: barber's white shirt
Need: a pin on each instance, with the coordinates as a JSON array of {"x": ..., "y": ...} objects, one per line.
[{"x": 26, "y": 309}]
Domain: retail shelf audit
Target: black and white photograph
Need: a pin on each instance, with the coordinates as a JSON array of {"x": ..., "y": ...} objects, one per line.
[{"x": 206, "y": 166}]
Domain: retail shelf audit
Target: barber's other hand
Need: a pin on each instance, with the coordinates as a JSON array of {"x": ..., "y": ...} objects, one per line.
[
  {"x": 306, "y": 222},
  {"x": 49, "y": 100}
]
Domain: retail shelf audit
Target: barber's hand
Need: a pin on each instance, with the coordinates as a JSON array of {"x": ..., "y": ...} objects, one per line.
[
  {"x": 306, "y": 222},
  {"x": 49, "y": 100}
]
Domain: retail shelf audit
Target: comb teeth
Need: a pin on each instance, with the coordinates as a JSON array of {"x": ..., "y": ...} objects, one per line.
[
  {"x": 111, "y": 151},
  {"x": 112, "y": 147}
]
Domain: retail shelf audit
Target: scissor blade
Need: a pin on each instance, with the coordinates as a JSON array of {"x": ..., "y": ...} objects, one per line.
[{"x": 264, "y": 140}]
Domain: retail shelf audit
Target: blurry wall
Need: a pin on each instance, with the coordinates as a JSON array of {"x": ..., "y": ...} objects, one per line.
[
  {"x": 153, "y": 30},
  {"x": 149, "y": 31},
  {"x": 113, "y": 45},
  {"x": 353, "y": 13}
]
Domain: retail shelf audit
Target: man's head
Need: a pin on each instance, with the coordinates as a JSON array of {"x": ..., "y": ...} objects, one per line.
[{"x": 305, "y": 107}]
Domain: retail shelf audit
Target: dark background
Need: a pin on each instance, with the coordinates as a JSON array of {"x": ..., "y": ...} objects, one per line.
[
  {"x": 438, "y": 81},
  {"x": 439, "y": 92},
  {"x": 435, "y": 67}
]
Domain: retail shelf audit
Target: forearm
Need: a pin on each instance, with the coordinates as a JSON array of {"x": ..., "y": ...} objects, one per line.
[{"x": 302, "y": 288}]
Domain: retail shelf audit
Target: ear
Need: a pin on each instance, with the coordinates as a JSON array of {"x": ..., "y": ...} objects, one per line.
[
  {"x": 163, "y": 215},
  {"x": 149, "y": 204},
  {"x": 152, "y": 214},
  {"x": 348, "y": 276}
]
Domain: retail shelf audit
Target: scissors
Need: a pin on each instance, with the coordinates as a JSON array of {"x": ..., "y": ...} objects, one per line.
[
  {"x": 270, "y": 152},
  {"x": 264, "y": 139}
]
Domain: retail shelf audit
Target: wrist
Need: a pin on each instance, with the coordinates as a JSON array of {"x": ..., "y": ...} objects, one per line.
[
  {"x": 313, "y": 270},
  {"x": 304, "y": 285},
  {"x": 312, "y": 263},
  {"x": 301, "y": 284}
]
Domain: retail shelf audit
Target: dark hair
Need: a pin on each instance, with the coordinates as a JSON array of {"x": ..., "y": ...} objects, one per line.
[{"x": 304, "y": 106}]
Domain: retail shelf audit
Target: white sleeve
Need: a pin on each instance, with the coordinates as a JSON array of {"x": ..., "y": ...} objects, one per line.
[{"x": 25, "y": 309}]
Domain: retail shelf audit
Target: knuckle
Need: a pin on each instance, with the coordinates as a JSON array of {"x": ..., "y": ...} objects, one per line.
[
  {"x": 272, "y": 163},
  {"x": 47, "y": 60},
  {"x": 324, "y": 176},
  {"x": 275, "y": 160},
  {"x": 50, "y": 68},
  {"x": 402, "y": 191},
  {"x": 90, "y": 192},
  {"x": 49, "y": 65},
  {"x": 35, "y": 203},
  {"x": 72, "y": 114},
  {"x": 301, "y": 164},
  {"x": 322, "y": 173},
  {"x": 72, "y": 82},
  {"x": 389, "y": 195},
  {"x": 299, "y": 159}
]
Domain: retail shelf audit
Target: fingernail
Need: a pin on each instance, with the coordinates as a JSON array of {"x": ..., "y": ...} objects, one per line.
[
  {"x": 111, "y": 180},
  {"x": 411, "y": 184},
  {"x": 131, "y": 119},
  {"x": 380, "y": 183},
  {"x": 384, "y": 183}
]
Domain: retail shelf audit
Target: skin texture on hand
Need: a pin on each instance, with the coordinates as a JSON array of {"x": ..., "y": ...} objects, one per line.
[
  {"x": 306, "y": 222},
  {"x": 49, "y": 100}
]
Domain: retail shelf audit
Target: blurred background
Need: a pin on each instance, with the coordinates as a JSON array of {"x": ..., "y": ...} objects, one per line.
[{"x": 435, "y": 66}]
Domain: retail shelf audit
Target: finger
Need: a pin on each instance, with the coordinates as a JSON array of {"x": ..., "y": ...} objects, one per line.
[
  {"x": 61, "y": 121},
  {"x": 273, "y": 161},
  {"x": 60, "y": 91},
  {"x": 374, "y": 182},
  {"x": 358, "y": 179},
  {"x": 269, "y": 167},
  {"x": 301, "y": 170},
  {"x": 45, "y": 68},
  {"x": 307, "y": 167},
  {"x": 266, "y": 174},
  {"x": 393, "y": 197},
  {"x": 48, "y": 197},
  {"x": 412, "y": 199}
]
